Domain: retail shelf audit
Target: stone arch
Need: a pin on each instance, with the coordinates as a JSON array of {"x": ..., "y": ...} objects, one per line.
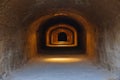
[
  {"x": 52, "y": 36},
  {"x": 86, "y": 26}
]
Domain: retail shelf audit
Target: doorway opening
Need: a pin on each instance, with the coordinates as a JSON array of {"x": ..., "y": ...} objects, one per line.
[{"x": 62, "y": 36}]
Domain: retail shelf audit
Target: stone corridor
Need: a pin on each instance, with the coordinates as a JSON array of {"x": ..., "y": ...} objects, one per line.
[{"x": 33, "y": 29}]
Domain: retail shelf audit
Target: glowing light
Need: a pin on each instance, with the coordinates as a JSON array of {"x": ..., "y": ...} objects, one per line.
[{"x": 62, "y": 60}]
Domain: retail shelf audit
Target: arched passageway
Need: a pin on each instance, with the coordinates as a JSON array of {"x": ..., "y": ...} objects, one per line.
[
  {"x": 23, "y": 34},
  {"x": 48, "y": 36},
  {"x": 62, "y": 36}
]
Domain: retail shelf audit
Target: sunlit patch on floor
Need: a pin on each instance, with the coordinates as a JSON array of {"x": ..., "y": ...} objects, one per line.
[{"x": 62, "y": 60}]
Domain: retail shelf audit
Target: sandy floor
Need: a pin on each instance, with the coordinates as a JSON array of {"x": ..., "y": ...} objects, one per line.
[{"x": 44, "y": 69}]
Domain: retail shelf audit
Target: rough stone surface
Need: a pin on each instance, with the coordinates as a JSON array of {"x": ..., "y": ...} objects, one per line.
[{"x": 17, "y": 15}]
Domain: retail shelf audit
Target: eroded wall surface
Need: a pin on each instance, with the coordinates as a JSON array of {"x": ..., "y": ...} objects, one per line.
[{"x": 16, "y": 16}]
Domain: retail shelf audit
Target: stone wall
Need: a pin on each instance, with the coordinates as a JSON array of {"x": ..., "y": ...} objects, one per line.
[
  {"x": 12, "y": 39},
  {"x": 16, "y": 16}
]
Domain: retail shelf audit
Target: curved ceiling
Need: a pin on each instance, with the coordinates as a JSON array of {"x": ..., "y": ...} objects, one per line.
[{"x": 27, "y": 11}]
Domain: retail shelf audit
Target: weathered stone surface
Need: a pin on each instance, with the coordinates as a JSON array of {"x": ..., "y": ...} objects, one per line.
[{"x": 17, "y": 15}]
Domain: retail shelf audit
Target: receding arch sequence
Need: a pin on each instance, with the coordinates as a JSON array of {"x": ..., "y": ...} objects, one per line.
[{"x": 53, "y": 33}]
